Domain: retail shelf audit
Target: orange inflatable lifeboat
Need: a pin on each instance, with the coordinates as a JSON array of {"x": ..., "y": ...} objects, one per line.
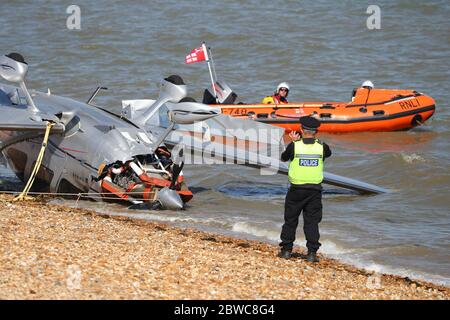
[{"x": 369, "y": 110}]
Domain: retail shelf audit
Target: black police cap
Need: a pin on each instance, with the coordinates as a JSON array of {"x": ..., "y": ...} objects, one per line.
[{"x": 309, "y": 123}]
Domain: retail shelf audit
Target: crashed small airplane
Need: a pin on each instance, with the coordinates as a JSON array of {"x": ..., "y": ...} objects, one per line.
[
  {"x": 106, "y": 156},
  {"x": 90, "y": 150}
]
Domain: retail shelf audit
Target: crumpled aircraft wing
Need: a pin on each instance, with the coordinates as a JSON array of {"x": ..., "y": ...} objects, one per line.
[{"x": 228, "y": 140}]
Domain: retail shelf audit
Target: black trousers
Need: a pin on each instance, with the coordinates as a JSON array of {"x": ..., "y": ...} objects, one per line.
[{"x": 310, "y": 202}]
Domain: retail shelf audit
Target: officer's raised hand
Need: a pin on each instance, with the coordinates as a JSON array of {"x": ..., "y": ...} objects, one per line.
[{"x": 294, "y": 135}]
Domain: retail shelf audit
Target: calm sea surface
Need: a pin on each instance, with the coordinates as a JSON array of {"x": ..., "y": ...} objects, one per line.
[{"x": 324, "y": 50}]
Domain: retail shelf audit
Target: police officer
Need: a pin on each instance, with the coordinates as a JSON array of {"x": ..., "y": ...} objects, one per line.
[{"x": 307, "y": 155}]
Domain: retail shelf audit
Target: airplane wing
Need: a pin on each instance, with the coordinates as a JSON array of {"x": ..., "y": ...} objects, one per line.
[
  {"x": 228, "y": 140},
  {"x": 217, "y": 147},
  {"x": 271, "y": 166}
]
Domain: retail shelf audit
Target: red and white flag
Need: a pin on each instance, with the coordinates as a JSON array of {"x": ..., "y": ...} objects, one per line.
[{"x": 197, "y": 55}]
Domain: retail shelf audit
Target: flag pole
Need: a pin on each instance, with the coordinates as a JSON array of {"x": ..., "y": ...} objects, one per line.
[
  {"x": 210, "y": 71},
  {"x": 212, "y": 64}
]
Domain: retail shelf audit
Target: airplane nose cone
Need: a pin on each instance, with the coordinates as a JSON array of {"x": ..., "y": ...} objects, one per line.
[{"x": 170, "y": 199}]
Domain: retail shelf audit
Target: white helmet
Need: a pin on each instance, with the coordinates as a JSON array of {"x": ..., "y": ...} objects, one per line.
[
  {"x": 368, "y": 84},
  {"x": 283, "y": 85}
]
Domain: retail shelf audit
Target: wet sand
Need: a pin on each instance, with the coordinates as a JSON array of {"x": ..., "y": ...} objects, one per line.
[{"x": 54, "y": 252}]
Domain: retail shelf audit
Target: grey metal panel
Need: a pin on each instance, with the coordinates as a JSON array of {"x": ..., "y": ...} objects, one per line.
[{"x": 258, "y": 160}]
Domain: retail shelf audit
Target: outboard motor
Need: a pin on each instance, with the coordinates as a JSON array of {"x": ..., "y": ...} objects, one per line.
[
  {"x": 224, "y": 94},
  {"x": 13, "y": 68}
]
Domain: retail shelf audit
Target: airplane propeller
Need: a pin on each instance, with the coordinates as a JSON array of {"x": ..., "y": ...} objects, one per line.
[{"x": 175, "y": 173}]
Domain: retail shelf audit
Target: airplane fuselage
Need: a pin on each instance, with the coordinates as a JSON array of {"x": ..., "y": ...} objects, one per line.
[{"x": 92, "y": 138}]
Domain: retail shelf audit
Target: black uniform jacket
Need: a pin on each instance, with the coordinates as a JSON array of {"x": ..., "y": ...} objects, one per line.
[{"x": 288, "y": 155}]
